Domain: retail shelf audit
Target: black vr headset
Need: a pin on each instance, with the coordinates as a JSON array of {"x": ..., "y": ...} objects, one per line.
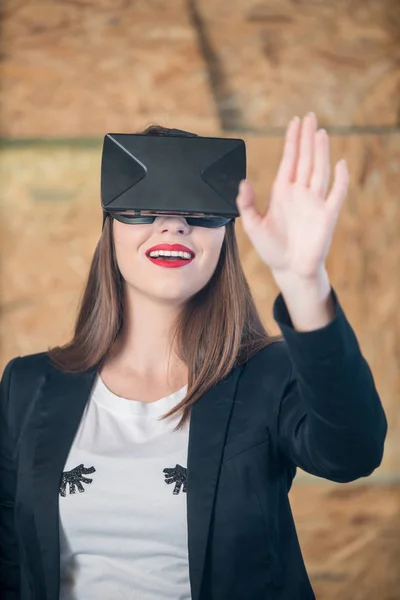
[{"x": 178, "y": 173}]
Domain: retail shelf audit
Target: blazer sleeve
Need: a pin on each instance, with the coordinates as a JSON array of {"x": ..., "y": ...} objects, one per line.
[
  {"x": 9, "y": 554},
  {"x": 331, "y": 421}
]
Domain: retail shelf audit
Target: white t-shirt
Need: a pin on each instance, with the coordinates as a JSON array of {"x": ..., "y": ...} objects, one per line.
[{"x": 123, "y": 519}]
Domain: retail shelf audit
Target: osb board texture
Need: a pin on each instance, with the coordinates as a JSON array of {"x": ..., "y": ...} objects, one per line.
[
  {"x": 276, "y": 58},
  {"x": 349, "y": 536},
  {"x": 86, "y": 68},
  {"x": 51, "y": 221}
]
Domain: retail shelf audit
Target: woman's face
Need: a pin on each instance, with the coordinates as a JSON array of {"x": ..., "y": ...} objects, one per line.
[{"x": 163, "y": 283}]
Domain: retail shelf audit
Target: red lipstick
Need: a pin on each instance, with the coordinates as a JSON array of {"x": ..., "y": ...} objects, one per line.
[{"x": 170, "y": 263}]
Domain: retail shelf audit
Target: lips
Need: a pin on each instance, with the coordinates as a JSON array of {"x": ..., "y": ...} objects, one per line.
[
  {"x": 171, "y": 263},
  {"x": 176, "y": 247}
]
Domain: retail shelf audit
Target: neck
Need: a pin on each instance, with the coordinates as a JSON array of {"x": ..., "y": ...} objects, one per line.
[{"x": 143, "y": 346}]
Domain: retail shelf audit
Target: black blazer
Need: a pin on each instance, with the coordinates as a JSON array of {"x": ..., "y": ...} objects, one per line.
[{"x": 307, "y": 401}]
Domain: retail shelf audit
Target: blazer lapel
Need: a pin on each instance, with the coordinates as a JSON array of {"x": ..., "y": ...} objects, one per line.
[
  {"x": 60, "y": 408},
  {"x": 208, "y": 426}
]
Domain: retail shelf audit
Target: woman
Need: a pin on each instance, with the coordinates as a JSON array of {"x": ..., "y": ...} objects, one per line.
[{"x": 152, "y": 456}]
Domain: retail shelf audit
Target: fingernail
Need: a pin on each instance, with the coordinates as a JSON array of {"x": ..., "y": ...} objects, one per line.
[{"x": 311, "y": 114}]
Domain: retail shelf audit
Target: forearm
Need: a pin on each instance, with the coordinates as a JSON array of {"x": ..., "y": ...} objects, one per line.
[{"x": 332, "y": 422}]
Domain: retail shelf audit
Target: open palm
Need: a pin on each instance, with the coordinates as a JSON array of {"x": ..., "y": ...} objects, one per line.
[{"x": 296, "y": 232}]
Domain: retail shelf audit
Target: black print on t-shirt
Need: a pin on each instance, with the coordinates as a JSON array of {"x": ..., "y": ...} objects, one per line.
[
  {"x": 74, "y": 479},
  {"x": 176, "y": 475}
]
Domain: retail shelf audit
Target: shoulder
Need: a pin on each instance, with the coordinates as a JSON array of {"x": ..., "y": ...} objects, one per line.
[
  {"x": 262, "y": 385},
  {"x": 264, "y": 379},
  {"x": 272, "y": 360},
  {"x": 28, "y": 364},
  {"x": 22, "y": 372},
  {"x": 22, "y": 376}
]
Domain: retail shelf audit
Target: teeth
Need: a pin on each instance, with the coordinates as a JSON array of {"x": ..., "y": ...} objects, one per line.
[{"x": 179, "y": 254}]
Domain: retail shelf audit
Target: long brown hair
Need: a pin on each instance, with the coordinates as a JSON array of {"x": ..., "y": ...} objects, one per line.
[{"x": 218, "y": 329}]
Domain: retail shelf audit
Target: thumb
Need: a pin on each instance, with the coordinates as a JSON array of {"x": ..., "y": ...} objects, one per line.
[{"x": 245, "y": 201}]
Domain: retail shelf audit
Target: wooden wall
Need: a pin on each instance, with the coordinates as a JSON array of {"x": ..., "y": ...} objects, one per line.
[{"x": 73, "y": 71}]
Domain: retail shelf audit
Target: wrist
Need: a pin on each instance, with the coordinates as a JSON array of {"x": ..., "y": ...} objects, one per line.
[
  {"x": 290, "y": 282},
  {"x": 308, "y": 299}
]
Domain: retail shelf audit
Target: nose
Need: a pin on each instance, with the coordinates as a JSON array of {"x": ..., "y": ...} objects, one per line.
[{"x": 173, "y": 223}]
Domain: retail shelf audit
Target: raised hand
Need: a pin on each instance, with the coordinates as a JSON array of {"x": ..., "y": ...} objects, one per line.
[{"x": 295, "y": 234}]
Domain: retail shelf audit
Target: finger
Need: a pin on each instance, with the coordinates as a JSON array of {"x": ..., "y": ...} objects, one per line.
[
  {"x": 245, "y": 201},
  {"x": 287, "y": 167},
  {"x": 339, "y": 189},
  {"x": 306, "y": 152},
  {"x": 321, "y": 171}
]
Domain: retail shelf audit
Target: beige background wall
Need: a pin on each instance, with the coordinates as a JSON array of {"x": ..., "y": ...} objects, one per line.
[{"x": 71, "y": 72}]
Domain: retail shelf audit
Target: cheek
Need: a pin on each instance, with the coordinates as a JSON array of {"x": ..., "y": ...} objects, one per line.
[
  {"x": 131, "y": 237},
  {"x": 216, "y": 244},
  {"x": 211, "y": 249},
  {"x": 124, "y": 248},
  {"x": 127, "y": 241},
  {"x": 126, "y": 235}
]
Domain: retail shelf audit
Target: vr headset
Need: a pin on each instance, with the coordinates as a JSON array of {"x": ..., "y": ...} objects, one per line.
[{"x": 178, "y": 173}]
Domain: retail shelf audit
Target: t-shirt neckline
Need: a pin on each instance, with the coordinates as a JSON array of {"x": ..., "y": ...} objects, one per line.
[{"x": 126, "y": 407}]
